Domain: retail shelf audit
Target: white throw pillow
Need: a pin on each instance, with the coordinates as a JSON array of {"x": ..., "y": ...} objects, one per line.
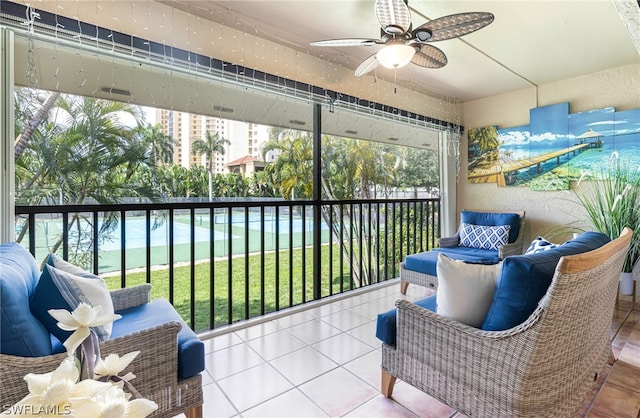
[
  {"x": 540, "y": 244},
  {"x": 465, "y": 290}
]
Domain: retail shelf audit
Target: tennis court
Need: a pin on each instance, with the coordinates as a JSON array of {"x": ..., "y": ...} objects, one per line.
[{"x": 225, "y": 241}]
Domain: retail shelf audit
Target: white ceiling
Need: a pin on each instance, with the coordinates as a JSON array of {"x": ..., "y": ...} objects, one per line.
[{"x": 529, "y": 43}]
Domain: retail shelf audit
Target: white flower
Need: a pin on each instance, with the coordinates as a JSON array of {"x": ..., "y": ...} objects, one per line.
[
  {"x": 114, "y": 364},
  {"x": 57, "y": 392},
  {"x": 114, "y": 403},
  {"x": 79, "y": 321}
]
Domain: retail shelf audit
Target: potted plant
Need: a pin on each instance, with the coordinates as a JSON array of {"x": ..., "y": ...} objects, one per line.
[{"x": 612, "y": 202}]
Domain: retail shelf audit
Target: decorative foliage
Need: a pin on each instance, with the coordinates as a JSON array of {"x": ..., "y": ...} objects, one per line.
[{"x": 613, "y": 202}]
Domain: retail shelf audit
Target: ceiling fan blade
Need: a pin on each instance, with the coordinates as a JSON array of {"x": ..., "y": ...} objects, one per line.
[
  {"x": 394, "y": 16},
  {"x": 453, "y": 26},
  {"x": 367, "y": 65},
  {"x": 347, "y": 42},
  {"x": 430, "y": 57}
]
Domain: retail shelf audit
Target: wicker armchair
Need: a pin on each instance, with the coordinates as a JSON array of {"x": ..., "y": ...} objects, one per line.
[
  {"x": 408, "y": 276},
  {"x": 156, "y": 367},
  {"x": 544, "y": 367}
]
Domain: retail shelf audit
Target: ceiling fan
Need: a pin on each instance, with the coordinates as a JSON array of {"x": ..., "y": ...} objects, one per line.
[{"x": 403, "y": 44}]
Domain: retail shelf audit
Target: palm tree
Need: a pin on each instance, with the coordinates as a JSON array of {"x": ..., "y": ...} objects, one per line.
[
  {"x": 209, "y": 146},
  {"x": 292, "y": 171},
  {"x": 34, "y": 121},
  {"x": 483, "y": 146},
  {"x": 260, "y": 184},
  {"x": 91, "y": 156},
  {"x": 159, "y": 147},
  {"x": 349, "y": 171}
]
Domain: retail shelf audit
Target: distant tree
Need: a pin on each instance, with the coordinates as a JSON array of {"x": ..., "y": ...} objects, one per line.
[
  {"x": 159, "y": 148},
  {"x": 211, "y": 145},
  {"x": 420, "y": 168},
  {"x": 292, "y": 170},
  {"x": 260, "y": 185}
]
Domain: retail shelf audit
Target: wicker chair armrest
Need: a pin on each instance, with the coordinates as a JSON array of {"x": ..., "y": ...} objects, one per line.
[
  {"x": 13, "y": 369},
  {"x": 130, "y": 297},
  {"x": 510, "y": 249},
  {"x": 444, "y": 242},
  {"x": 156, "y": 367}
]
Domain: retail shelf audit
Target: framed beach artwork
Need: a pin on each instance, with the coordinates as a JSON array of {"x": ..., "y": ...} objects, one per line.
[{"x": 555, "y": 148}]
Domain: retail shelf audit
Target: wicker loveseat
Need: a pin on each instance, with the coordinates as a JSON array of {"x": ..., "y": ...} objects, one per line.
[
  {"x": 420, "y": 268},
  {"x": 171, "y": 356},
  {"x": 542, "y": 367}
]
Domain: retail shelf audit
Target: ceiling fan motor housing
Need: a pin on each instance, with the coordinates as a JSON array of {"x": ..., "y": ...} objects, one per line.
[{"x": 422, "y": 34}]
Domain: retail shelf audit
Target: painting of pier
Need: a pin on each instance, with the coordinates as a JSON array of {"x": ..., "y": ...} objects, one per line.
[{"x": 554, "y": 149}]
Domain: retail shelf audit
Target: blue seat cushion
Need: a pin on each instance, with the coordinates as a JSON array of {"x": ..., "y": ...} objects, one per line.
[
  {"x": 524, "y": 280},
  {"x": 158, "y": 312},
  {"x": 22, "y": 334},
  {"x": 425, "y": 262},
  {"x": 493, "y": 219},
  {"x": 386, "y": 322}
]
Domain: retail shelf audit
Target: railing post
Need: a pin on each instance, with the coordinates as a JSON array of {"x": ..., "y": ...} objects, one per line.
[{"x": 317, "y": 202}]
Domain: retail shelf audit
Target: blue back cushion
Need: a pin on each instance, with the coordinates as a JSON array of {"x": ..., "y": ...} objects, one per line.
[
  {"x": 22, "y": 334},
  {"x": 524, "y": 280},
  {"x": 65, "y": 287},
  {"x": 493, "y": 219},
  {"x": 386, "y": 322}
]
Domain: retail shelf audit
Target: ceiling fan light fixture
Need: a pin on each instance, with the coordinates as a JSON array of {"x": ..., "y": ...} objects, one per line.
[{"x": 395, "y": 55}]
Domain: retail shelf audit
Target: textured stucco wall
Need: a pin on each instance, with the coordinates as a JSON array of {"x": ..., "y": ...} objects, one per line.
[{"x": 617, "y": 87}]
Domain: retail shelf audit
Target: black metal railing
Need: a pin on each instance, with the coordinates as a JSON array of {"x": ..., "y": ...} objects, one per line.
[{"x": 224, "y": 261}]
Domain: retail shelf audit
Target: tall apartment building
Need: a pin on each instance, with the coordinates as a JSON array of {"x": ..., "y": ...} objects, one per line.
[{"x": 246, "y": 139}]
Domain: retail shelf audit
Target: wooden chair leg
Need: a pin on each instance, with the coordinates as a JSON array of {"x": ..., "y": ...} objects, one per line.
[
  {"x": 194, "y": 413},
  {"x": 403, "y": 287},
  {"x": 388, "y": 381}
]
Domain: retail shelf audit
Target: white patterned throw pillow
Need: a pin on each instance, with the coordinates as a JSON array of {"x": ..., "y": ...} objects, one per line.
[
  {"x": 540, "y": 244},
  {"x": 484, "y": 237}
]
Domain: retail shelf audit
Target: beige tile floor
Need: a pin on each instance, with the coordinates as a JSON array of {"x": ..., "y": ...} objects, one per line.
[{"x": 324, "y": 361}]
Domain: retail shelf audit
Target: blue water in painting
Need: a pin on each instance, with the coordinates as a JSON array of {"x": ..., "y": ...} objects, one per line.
[{"x": 627, "y": 146}]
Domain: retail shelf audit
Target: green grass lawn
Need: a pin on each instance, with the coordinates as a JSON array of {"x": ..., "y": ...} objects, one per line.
[
  {"x": 255, "y": 286},
  {"x": 246, "y": 289}
]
